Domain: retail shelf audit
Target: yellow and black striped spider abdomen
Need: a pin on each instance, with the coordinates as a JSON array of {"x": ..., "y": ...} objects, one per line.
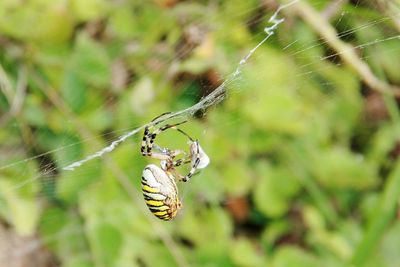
[{"x": 160, "y": 192}]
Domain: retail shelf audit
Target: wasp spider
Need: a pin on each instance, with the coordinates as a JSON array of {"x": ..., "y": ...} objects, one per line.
[{"x": 159, "y": 183}]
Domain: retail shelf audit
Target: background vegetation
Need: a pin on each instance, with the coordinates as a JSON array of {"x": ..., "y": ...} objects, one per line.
[{"x": 304, "y": 149}]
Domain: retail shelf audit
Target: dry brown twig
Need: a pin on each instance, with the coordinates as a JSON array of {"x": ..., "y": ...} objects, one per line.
[
  {"x": 333, "y": 8},
  {"x": 15, "y": 97},
  {"x": 346, "y": 51},
  {"x": 392, "y": 9}
]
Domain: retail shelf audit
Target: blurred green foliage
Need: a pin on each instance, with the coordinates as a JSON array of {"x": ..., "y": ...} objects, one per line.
[{"x": 304, "y": 157}]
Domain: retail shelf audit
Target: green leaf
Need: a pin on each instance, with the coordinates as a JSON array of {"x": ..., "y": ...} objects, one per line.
[
  {"x": 37, "y": 21},
  {"x": 382, "y": 142},
  {"x": 275, "y": 230},
  {"x": 122, "y": 21},
  {"x": 34, "y": 112},
  {"x": 73, "y": 183},
  {"x": 89, "y": 9},
  {"x": 244, "y": 253},
  {"x": 334, "y": 241},
  {"x": 238, "y": 179},
  {"x": 290, "y": 256},
  {"x": 390, "y": 245},
  {"x": 108, "y": 242},
  {"x": 74, "y": 91},
  {"x": 205, "y": 225},
  {"x": 22, "y": 211},
  {"x": 339, "y": 168},
  {"x": 91, "y": 62},
  {"x": 274, "y": 189},
  {"x": 98, "y": 120},
  {"x": 63, "y": 232}
]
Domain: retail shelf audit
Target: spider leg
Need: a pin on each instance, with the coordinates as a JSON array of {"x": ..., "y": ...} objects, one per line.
[
  {"x": 180, "y": 162},
  {"x": 159, "y": 116},
  {"x": 149, "y": 137},
  {"x": 145, "y": 149},
  {"x": 176, "y": 174},
  {"x": 195, "y": 162}
]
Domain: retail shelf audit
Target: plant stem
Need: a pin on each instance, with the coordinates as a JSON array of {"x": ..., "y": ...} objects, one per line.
[{"x": 384, "y": 214}]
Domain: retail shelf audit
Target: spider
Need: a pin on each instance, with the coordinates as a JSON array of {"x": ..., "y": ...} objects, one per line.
[
  {"x": 159, "y": 184},
  {"x": 197, "y": 157}
]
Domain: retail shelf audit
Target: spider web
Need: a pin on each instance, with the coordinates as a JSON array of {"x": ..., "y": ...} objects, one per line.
[
  {"x": 212, "y": 99},
  {"x": 232, "y": 84}
]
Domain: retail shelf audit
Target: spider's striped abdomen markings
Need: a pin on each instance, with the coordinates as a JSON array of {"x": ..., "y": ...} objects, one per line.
[{"x": 160, "y": 192}]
